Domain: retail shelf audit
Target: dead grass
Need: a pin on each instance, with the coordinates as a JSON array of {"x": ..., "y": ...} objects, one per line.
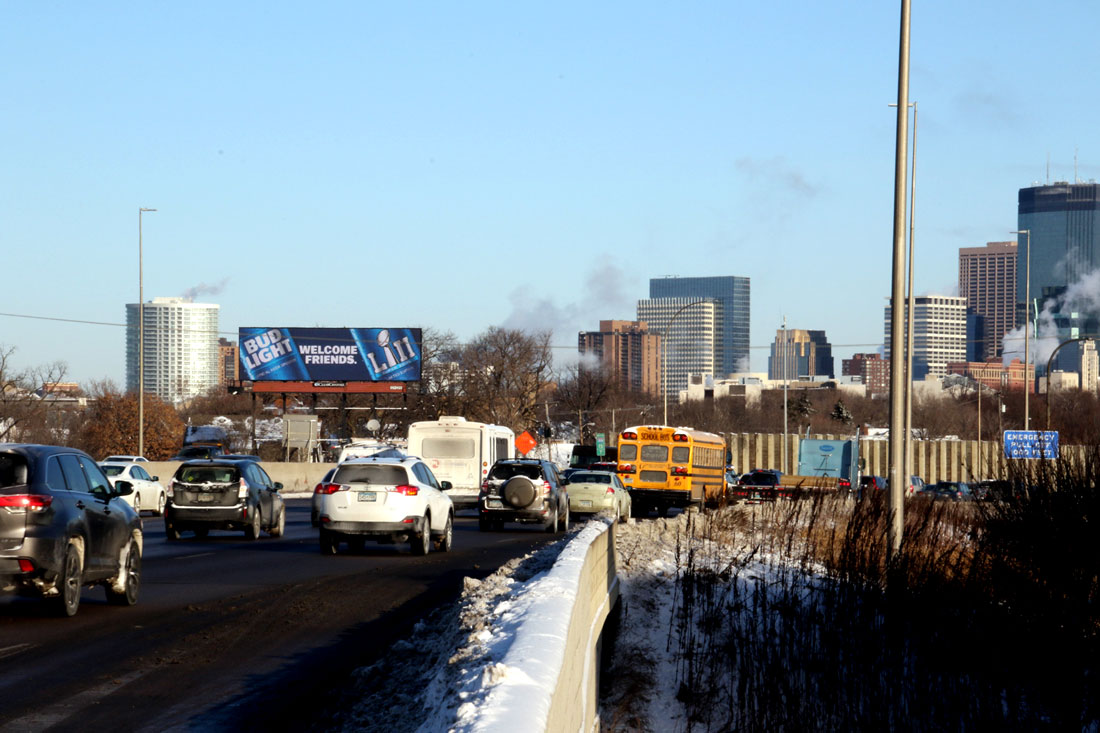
[{"x": 788, "y": 615}]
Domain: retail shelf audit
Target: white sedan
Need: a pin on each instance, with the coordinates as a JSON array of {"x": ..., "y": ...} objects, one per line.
[{"x": 148, "y": 494}]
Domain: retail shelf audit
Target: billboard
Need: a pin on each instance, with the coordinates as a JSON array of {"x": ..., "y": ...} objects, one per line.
[{"x": 330, "y": 354}]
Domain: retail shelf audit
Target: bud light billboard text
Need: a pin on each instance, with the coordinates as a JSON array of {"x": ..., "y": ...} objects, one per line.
[{"x": 330, "y": 354}]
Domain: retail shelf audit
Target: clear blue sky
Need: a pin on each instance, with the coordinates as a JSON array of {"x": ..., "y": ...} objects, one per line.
[{"x": 462, "y": 165}]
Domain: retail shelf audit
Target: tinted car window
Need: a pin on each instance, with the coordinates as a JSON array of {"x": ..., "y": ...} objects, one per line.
[
  {"x": 265, "y": 480},
  {"x": 381, "y": 475},
  {"x": 96, "y": 480},
  {"x": 74, "y": 476},
  {"x": 54, "y": 478},
  {"x": 140, "y": 473},
  {"x": 431, "y": 476},
  {"x": 590, "y": 478},
  {"x": 112, "y": 470},
  {"x": 208, "y": 474},
  {"x": 13, "y": 470},
  {"x": 508, "y": 470}
]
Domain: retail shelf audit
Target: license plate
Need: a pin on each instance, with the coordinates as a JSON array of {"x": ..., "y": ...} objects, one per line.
[
  {"x": 586, "y": 502},
  {"x": 204, "y": 498},
  {"x": 493, "y": 503},
  {"x": 368, "y": 496}
]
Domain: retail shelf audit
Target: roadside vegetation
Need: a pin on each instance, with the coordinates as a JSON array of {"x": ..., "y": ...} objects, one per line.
[{"x": 788, "y": 616}]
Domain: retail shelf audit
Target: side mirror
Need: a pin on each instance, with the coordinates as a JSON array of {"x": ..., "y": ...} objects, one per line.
[
  {"x": 277, "y": 486},
  {"x": 123, "y": 488},
  {"x": 156, "y": 478},
  {"x": 446, "y": 485}
]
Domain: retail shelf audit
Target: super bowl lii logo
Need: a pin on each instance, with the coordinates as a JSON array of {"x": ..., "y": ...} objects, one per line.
[{"x": 390, "y": 355}]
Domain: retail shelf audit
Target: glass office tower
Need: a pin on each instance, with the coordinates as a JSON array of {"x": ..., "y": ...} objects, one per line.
[{"x": 732, "y": 293}]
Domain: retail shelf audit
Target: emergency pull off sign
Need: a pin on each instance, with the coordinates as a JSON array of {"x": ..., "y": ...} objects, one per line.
[{"x": 330, "y": 354}]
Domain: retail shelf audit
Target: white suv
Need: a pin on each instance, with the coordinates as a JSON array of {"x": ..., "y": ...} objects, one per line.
[{"x": 385, "y": 499}]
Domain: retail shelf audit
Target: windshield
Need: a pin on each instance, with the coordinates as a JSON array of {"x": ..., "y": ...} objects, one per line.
[
  {"x": 112, "y": 470},
  {"x": 208, "y": 474},
  {"x": 448, "y": 448}
]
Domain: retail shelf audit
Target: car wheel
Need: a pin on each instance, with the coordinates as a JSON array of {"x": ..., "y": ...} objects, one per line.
[
  {"x": 170, "y": 531},
  {"x": 421, "y": 542},
  {"x": 443, "y": 544},
  {"x": 329, "y": 543},
  {"x": 201, "y": 533},
  {"x": 252, "y": 531},
  {"x": 280, "y": 525},
  {"x": 69, "y": 583},
  {"x": 131, "y": 572},
  {"x": 552, "y": 527},
  {"x": 137, "y": 503},
  {"x": 565, "y": 524},
  {"x": 161, "y": 501}
]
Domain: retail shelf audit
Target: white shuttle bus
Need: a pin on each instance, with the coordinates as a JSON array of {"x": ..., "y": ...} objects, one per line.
[{"x": 461, "y": 452}]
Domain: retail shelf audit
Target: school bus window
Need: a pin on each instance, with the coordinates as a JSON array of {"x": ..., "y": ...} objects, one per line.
[
  {"x": 655, "y": 453},
  {"x": 628, "y": 452},
  {"x": 681, "y": 454}
]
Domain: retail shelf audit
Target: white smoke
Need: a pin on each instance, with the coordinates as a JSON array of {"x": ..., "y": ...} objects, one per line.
[{"x": 1081, "y": 298}]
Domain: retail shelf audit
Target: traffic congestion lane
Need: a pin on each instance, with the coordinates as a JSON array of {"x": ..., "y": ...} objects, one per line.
[{"x": 223, "y": 618}]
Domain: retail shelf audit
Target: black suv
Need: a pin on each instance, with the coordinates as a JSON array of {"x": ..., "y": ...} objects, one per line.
[
  {"x": 63, "y": 526},
  {"x": 523, "y": 490},
  {"x": 223, "y": 493}
]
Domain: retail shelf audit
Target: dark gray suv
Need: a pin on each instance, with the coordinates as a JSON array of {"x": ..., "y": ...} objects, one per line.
[
  {"x": 523, "y": 490},
  {"x": 63, "y": 526},
  {"x": 223, "y": 493}
]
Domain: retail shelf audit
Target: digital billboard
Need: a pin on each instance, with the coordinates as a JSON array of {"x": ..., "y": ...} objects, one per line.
[{"x": 330, "y": 354}]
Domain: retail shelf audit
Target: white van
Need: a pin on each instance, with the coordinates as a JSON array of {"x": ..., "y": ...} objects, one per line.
[{"x": 461, "y": 452}]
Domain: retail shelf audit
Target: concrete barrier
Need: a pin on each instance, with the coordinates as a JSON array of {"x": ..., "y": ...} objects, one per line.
[
  {"x": 549, "y": 678},
  {"x": 296, "y": 478}
]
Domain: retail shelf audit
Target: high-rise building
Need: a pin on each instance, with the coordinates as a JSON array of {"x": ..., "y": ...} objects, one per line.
[
  {"x": 799, "y": 353},
  {"x": 181, "y": 348},
  {"x": 1063, "y": 225},
  {"x": 1090, "y": 367},
  {"x": 987, "y": 279},
  {"x": 939, "y": 334},
  {"x": 692, "y": 343},
  {"x": 873, "y": 371},
  {"x": 229, "y": 362},
  {"x": 629, "y": 350},
  {"x": 732, "y": 294}
]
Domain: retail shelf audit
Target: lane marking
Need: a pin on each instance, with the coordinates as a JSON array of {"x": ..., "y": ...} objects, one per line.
[
  {"x": 188, "y": 557},
  {"x": 11, "y": 651},
  {"x": 61, "y": 710}
]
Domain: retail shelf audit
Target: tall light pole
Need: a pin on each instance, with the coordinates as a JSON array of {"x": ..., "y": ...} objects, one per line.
[
  {"x": 897, "y": 295},
  {"x": 1027, "y": 327},
  {"x": 907, "y": 451},
  {"x": 786, "y": 382},
  {"x": 141, "y": 339},
  {"x": 664, "y": 351}
]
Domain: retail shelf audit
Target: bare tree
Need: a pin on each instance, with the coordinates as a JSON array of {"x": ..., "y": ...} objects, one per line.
[
  {"x": 502, "y": 374},
  {"x": 110, "y": 426},
  {"x": 25, "y": 397},
  {"x": 583, "y": 389}
]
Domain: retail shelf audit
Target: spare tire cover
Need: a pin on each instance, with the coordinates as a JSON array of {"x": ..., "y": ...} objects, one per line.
[{"x": 519, "y": 492}]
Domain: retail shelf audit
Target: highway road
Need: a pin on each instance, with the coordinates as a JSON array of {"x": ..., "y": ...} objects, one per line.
[{"x": 230, "y": 634}]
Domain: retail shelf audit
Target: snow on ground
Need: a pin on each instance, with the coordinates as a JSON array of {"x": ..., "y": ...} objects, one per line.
[{"x": 476, "y": 666}]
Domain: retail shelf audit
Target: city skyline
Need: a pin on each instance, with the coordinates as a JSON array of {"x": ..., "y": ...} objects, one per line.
[{"x": 456, "y": 171}]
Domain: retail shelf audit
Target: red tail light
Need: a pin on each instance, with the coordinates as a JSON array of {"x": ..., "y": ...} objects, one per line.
[
  {"x": 679, "y": 438},
  {"x": 330, "y": 488},
  {"x": 407, "y": 489},
  {"x": 16, "y": 503},
  {"x": 610, "y": 490},
  {"x": 629, "y": 435},
  {"x": 679, "y": 471},
  {"x": 626, "y": 468},
  {"x": 545, "y": 488},
  {"x": 485, "y": 485},
  {"x": 26, "y": 565}
]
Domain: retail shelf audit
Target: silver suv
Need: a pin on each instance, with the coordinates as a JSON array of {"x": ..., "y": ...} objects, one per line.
[{"x": 523, "y": 490}]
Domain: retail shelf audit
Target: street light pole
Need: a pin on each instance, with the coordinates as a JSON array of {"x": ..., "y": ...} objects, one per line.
[
  {"x": 141, "y": 340},
  {"x": 1027, "y": 327},
  {"x": 664, "y": 351}
]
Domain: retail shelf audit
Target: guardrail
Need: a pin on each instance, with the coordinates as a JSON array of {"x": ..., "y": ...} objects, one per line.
[{"x": 296, "y": 478}]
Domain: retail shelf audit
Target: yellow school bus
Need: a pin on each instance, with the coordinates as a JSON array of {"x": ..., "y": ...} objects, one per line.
[{"x": 671, "y": 467}]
